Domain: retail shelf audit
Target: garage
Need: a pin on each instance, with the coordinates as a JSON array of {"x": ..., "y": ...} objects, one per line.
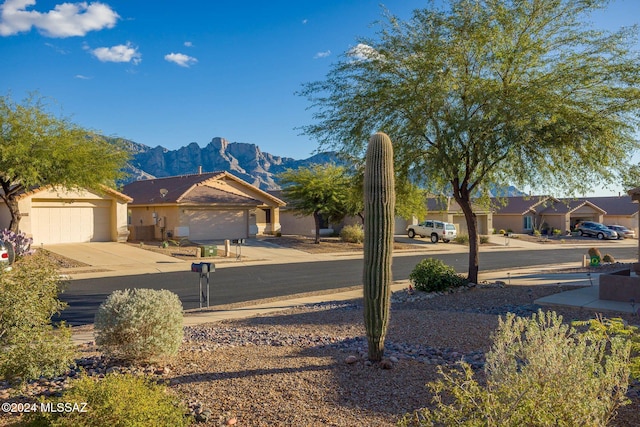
[
  {"x": 217, "y": 224},
  {"x": 71, "y": 222}
]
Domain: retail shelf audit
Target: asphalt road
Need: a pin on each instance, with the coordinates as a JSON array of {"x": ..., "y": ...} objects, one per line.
[{"x": 246, "y": 283}]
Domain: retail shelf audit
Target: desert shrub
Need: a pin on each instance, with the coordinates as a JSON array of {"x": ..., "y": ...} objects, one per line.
[
  {"x": 484, "y": 240},
  {"x": 140, "y": 325},
  {"x": 556, "y": 232},
  {"x": 537, "y": 233},
  {"x": 539, "y": 372},
  {"x": 19, "y": 241},
  {"x": 462, "y": 239},
  {"x": 502, "y": 231},
  {"x": 594, "y": 252},
  {"x": 608, "y": 258},
  {"x": 352, "y": 233},
  {"x": 433, "y": 275},
  {"x": 603, "y": 327},
  {"x": 30, "y": 346},
  {"x": 115, "y": 400}
]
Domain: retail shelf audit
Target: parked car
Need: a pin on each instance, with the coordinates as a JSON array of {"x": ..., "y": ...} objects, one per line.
[
  {"x": 595, "y": 229},
  {"x": 6, "y": 255},
  {"x": 623, "y": 232},
  {"x": 436, "y": 230}
]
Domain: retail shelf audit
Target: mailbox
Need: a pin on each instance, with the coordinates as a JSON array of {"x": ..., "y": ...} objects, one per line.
[{"x": 203, "y": 267}]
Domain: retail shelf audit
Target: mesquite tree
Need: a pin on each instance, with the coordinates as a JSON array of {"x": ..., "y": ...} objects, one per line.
[
  {"x": 379, "y": 204},
  {"x": 489, "y": 93}
]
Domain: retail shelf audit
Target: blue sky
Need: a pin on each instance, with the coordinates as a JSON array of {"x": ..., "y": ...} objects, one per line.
[{"x": 170, "y": 73}]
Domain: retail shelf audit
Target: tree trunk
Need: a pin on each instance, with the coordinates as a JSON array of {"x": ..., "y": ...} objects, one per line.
[
  {"x": 316, "y": 218},
  {"x": 464, "y": 200},
  {"x": 12, "y": 204}
]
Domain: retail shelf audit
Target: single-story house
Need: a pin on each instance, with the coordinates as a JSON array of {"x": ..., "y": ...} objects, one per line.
[
  {"x": 205, "y": 206},
  {"x": 523, "y": 214},
  {"x": 52, "y": 215}
]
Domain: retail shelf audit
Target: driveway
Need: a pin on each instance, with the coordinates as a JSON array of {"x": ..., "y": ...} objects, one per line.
[{"x": 118, "y": 258}]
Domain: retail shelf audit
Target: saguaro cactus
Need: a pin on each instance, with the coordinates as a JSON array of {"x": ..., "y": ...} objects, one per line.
[{"x": 379, "y": 205}]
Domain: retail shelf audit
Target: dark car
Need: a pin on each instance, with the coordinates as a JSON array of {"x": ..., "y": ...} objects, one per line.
[
  {"x": 623, "y": 232},
  {"x": 595, "y": 229}
]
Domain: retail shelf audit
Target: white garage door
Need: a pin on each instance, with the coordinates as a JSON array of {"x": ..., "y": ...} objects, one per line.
[
  {"x": 217, "y": 224},
  {"x": 70, "y": 223}
]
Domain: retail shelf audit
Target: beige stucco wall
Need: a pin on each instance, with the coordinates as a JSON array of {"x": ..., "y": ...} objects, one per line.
[{"x": 117, "y": 208}]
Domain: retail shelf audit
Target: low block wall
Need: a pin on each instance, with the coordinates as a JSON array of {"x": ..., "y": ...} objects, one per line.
[{"x": 619, "y": 286}]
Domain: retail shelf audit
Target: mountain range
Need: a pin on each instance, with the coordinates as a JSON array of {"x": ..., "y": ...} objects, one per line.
[{"x": 246, "y": 161}]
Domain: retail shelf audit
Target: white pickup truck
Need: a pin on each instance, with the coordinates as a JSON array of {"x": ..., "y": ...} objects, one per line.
[{"x": 436, "y": 230}]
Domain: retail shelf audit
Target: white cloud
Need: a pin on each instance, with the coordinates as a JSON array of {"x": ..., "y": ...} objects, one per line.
[
  {"x": 364, "y": 52},
  {"x": 119, "y": 53},
  {"x": 304, "y": 21},
  {"x": 82, "y": 77},
  {"x": 64, "y": 20},
  {"x": 322, "y": 54},
  {"x": 188, "y": 44},
  {"x": 181, "y": 59}
]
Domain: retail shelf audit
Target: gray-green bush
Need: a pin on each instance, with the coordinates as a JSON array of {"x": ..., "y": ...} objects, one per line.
[
  {"x": 539, "y": 372},
  {"x": 352, "y": 233},
  {"x": 140, "y": 325},
  {"x": 433, "y": 275},
  {"x": 30, "y": 346},
  {"x": 115, "y": 400}
]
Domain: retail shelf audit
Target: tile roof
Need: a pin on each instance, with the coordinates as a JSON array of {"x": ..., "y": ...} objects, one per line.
[
  {"x": 204, "y": 194},
  {"x": 517, "y": 204},
  {"x": 148, "y": 190},
  {"x": 614, "y": 205}
]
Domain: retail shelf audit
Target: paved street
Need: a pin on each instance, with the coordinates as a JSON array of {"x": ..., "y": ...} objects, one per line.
[{"x": 238, "y": 283}]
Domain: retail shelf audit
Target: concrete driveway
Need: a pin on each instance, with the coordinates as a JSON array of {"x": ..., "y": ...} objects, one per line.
[{"x": 118, "y": 258}]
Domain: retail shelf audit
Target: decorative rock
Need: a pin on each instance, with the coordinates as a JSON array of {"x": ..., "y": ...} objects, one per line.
[
  {"x": 393, "y": 359},
  {"x": 232, "y": 421},
  {"x": 386, "y": 364},
  {"x": 350, "y": 360}
]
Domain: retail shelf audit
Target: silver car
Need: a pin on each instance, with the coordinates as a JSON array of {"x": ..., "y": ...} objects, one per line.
[
  {"x": 595, "y": 229},
  {"x": 623, "y": 232}
]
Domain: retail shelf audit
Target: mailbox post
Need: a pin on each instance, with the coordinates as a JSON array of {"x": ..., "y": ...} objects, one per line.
[
  {"x": 238, "y": 243},
  {"x": 203, "y": 268}
]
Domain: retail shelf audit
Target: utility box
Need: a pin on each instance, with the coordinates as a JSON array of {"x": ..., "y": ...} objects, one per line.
[{"x": 208, "y": 251}]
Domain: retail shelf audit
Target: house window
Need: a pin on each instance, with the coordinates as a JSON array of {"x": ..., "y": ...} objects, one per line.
[
  {"x": 528, "y": 223},
  {"x": 267, "y": 215}
]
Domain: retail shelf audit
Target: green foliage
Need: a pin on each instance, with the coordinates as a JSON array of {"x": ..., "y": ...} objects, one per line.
[
  {"x": 462, "y": 239},
  {"x": 433, "y": 275},
  {"x": 115, "y": 400},
  {"x": 488, "y": 93},
  {"x": 39, "y": 149},
  {"x": 353, "y": 233},
  {"x": 604, "y": 328},
  {"x": 539, "y": 372},
  {"x": 484, "y": 240},
  {"x": 556, "y": 232},
  {"x": 31, "y": 346},
  {"x": 318, "y": 190},
  {"x": 501, "y": 231},
  {"x": 140, "y": 325},
  {"x": 379, "y": 208},
  {"x": 608, "y": 258},
  {"x": 537, "y": 233}
]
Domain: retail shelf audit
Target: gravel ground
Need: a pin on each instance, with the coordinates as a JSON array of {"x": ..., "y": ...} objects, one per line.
[{"x": 307, "y": 366}]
